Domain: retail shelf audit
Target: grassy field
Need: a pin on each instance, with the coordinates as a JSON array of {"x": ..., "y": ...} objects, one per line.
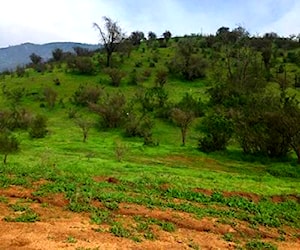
[{"x": 105, "y": 177}]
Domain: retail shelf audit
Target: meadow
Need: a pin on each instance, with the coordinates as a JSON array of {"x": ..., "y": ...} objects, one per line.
[{"x": 154, "y": 197}]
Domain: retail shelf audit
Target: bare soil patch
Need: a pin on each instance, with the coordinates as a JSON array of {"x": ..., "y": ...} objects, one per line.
[{"x": 59, "y": 228}]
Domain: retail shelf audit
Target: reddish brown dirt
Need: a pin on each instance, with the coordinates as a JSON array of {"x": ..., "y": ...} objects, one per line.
[{"x": 59, "y": 228}]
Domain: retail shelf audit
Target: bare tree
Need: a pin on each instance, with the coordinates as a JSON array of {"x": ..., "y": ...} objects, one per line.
[{"x": 111, "y": 37}]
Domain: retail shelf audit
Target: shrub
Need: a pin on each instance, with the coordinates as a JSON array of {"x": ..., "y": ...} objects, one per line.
[
  {"x": 86, "y": 94},
  {"x": 38, "y": 127},
  {"x": 20, "y": 71},
  {"x": 115, "y": 75},
  {"x": 8, "y": 144},
  {"x": 111, "y": 109},
  {"x": 161, "y": 77},
  {"x": 16, "y": 118},
  {"x": 218, "y": 130},
  {"x": 50, "y": 96},
  {"x": 81, "y": 65}
]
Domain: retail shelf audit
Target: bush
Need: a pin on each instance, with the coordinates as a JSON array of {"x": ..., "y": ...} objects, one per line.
[
  {"x": 15, "y": 119},
  {"x": 189, "y": 103},
  {"x": 8, "y": 144},
  {"x": 161, "y": 77},
  {"x": 20, "y": 71},
  {"x": 50, "y": 96},
  {"x": 38, "y": 127},
  {"x": 81, "y": 65},
  {"x": 133, "y": 78},
  {"x": 115, "y": 75},
  {"x": 86, "y": 94},
  {"x": 111, "y": 109},
  {"x": 218, "y": 130}
]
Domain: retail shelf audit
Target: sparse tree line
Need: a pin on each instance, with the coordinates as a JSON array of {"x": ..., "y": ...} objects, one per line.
[{"x": 238, "y": 69}]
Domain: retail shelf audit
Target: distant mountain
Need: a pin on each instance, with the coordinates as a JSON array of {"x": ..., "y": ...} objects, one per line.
[{"x": 13, "y": 56}]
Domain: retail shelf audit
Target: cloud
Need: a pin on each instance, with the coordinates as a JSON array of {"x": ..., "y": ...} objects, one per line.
[{"x": 71, "y": 20}]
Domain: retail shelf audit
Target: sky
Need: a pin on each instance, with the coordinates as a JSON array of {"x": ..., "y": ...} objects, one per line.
[{"x": 44, "y": 21}]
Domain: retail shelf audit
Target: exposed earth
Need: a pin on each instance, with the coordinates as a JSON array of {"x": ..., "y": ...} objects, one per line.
[{"x": 59, "y": 228}]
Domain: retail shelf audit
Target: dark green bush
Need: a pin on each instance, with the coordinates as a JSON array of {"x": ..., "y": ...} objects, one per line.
[
  {"x": 218, "y": 130},
  {"x": 38, "y": 127}
]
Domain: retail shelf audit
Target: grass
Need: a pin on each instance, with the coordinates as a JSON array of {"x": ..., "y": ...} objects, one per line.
[{"x": 153, "y": 177}]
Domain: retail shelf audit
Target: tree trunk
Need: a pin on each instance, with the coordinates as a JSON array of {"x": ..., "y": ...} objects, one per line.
[
  {"x": 5, "y": 158},
  {"x": 183, "y": 135},
  {"x": 85, "y": 136},
  {"x": 298, "y": 154},
  {"x": 108, "y": 59}
]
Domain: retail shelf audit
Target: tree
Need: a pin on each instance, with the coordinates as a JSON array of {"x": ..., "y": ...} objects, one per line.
[
  {"x": 152, "y": 39},
  {"x": 81, "y": 51},
  {"x": 57, "y": 54},
  {"x": 35, "y": 59},
  {"x": 85, "y": 126},
  {"x": 217, "y": 129},
  {"x": 152, "y": 36},
  {"x": 111, "y": 37},
  {"x": 136, "y": 37},
  {"x": 187, "y": 61},
  {"x": 183, "y": 119},
  {"x": 8, "y": 144},
  {"x": 167, "y": 35}
]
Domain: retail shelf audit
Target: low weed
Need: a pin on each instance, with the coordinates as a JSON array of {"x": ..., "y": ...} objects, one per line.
[
  {"x": 259, "y": 245},
  {"x": 3, "y": 199},
  {"x": 119, "y": 230},
  {"x": 101, "y": 216},
  {"x": 71, "y": 239},
  {"x": 28, "y": 216}
]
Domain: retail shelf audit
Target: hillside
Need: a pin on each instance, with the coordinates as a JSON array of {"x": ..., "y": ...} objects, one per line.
[
  {"x": 186, "y": 143},
  {"x": 13, "y": 56}
]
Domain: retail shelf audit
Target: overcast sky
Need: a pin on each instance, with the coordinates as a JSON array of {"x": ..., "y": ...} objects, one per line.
[{"x": 43, "y": 21}]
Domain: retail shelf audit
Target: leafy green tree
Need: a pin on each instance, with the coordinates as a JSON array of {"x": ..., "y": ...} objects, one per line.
[
  {"x": 217, "y": 129},
  {"x": 111, "y": 37},
  {"x": 190, "y": 103},
  {"x": 152, "y": 36},
  {"x": 187, "y": 61},
  {"x": 8, "y": 144},
  {"x": 183, "y": 119},
  {"x": 85, "y": 125},
  {"x": 167, "y": 35},
  {"x": 136, "y": 37},
  {"x": 57, "y": 54},
  {"x": 35, "y": 59}
]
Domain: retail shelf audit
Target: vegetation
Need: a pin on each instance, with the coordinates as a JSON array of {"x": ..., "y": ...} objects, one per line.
[{"x": 232, "y": 96}]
